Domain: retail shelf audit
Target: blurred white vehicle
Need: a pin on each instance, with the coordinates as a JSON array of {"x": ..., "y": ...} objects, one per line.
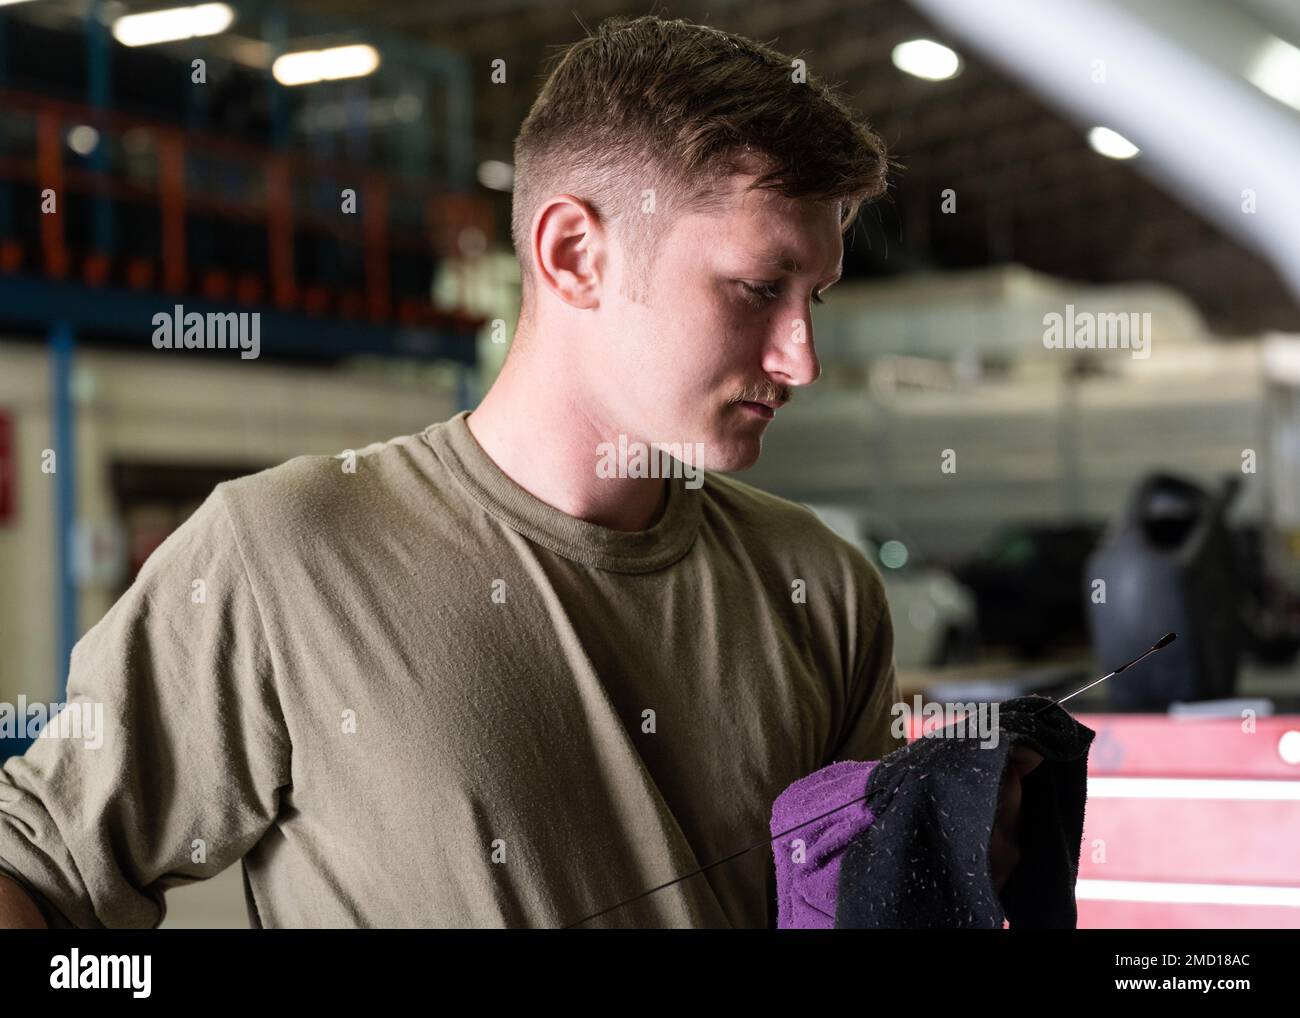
[{"x": 934, "y": 616}]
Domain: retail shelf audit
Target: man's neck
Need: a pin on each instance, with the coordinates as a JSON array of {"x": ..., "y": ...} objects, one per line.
[{"x": 541, "y": 436}]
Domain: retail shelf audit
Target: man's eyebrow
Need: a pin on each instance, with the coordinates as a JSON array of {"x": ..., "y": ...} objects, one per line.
[
  {"x": 786, "y": 262},
  {"x": 782, "y": 260}
]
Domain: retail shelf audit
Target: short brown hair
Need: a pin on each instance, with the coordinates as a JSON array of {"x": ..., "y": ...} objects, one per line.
[{"x": 678, "y": 106}]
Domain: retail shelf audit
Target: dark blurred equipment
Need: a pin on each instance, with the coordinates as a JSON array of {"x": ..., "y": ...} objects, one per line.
[
  {"x": 1169, "y": 565},
  {"x": 1269, "y": 610},
  {"x": 1026, "y": 586}
]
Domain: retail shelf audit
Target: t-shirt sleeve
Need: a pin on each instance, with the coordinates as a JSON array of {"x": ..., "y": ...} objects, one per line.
[
  {"x": 869, "y": 719},
  {"x": 170, "y": 767}
]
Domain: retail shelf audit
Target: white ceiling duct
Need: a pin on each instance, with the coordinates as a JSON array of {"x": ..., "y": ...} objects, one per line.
[{"x": 1150, "y": 72}]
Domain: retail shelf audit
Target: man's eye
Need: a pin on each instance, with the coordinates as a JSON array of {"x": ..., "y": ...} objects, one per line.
[
  {"x": 761, "y": 294},
  {"x": 764, "y": 292}
]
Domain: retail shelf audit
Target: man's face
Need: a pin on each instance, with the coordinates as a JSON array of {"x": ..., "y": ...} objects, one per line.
[{"x": 725, "y": 326}]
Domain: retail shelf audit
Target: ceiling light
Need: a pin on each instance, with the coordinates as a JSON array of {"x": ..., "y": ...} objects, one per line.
[
  {"x": 83, "y": 139},
  {"x": 494, "y": 174},
  {"x": 1111, "y": 143},
  {"x": 309, "y": 66},
  {"x": 926, "y": 59},
  {"x": 173, "y": 24}
]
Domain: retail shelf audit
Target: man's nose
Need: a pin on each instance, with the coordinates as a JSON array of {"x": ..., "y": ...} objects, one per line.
[{"x": 791, "y": 353}]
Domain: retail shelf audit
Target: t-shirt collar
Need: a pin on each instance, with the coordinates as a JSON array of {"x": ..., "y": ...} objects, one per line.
[{"x": 639, "y": 551}]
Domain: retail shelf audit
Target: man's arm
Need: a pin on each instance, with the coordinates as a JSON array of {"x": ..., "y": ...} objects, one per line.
[
  {"x": 867, "y": 732},
  {"x": 182, "y": 753},
  {"x": 18, "y": 911}
]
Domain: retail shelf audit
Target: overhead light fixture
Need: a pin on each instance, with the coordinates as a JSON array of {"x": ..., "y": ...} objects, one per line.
[
  {"x": 83, "y": 139},
  {"x": 1275, "y": 71},
  {"x": 1111, "y": 144},
  {"x": 496, "y": 175},
  {"x": 925, "y": 58},
  {"x": 173, "y": 24},
  {"x": 309, "y": 66},
  {"x": 6, "y": 3}
]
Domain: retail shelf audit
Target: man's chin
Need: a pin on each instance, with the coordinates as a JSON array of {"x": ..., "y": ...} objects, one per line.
[{"x": 734, "y": 453}]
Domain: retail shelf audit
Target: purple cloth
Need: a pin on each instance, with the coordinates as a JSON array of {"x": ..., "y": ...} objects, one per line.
[{"x": 807, "y": 880}]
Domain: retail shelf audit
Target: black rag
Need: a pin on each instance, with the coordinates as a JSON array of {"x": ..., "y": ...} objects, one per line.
[{"x": 924, "y": 863}]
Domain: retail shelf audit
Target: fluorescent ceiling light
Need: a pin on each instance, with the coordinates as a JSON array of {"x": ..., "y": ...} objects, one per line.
[
  {"x": 926, "y": 59},
  {"x": 1111, "y": 143},
  {"x": 173, "y": 24},
  {"x": 1276, "y": 72},
  {"x": 309, "y": 66}
]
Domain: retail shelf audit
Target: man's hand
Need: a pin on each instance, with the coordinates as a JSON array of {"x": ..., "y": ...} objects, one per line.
[
  {"x": 17, "y": 910},
  {"x": 1004, "y": 846}
]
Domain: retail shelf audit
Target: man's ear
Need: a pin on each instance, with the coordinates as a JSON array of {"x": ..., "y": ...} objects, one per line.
[{"x": 569, "y": 250}]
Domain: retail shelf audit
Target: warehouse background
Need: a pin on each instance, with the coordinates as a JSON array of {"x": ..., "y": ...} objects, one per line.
[{"x": 343, "y": 168}]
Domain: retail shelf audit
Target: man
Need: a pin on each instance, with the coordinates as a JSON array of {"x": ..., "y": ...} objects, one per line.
[{"x": 518, "y": 668}]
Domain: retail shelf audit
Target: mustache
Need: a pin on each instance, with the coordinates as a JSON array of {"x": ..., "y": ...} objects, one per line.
[{"x": 763, "y": 393}]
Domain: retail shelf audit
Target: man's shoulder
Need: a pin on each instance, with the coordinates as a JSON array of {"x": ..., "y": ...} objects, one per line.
[
  {"x": 740, "y": 499},
  {"x": 786, "y": 528},
  {"x": 319, "y": 492}
]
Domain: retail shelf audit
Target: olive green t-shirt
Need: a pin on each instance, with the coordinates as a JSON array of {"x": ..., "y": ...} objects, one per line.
[{"x": 405, "y": 692}]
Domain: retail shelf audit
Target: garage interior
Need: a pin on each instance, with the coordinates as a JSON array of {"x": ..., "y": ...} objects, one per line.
[{"x": 1130, "y": 160}]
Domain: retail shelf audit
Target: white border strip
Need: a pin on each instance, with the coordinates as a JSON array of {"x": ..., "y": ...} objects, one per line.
[
  {"x": 1186, "y": 894},
  {"x": 1238, "y": 789}
]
